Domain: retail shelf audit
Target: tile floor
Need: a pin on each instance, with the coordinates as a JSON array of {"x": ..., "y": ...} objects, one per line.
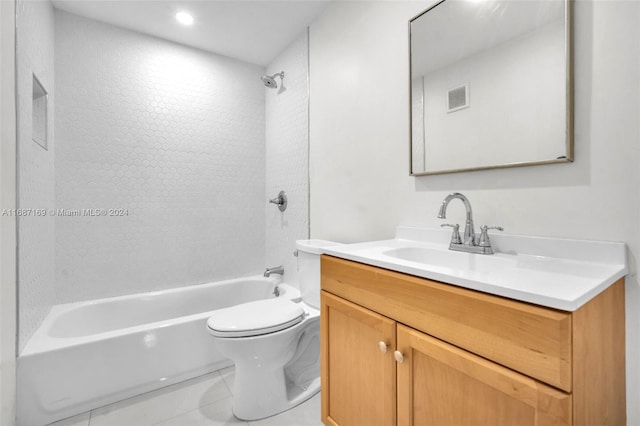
[{"x": 205, "y": 400}]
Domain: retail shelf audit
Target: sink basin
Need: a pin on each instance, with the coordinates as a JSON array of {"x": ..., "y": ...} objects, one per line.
[
  {"x": 451, "y": 259},
  {"x": 419, "y": 254}
]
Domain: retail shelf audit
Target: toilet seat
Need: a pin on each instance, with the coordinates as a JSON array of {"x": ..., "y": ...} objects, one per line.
[{"x": 255, "y": 318}]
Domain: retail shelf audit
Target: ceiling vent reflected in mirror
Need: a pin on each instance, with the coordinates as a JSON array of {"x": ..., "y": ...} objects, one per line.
[
  {"x": 39, "y": 113},
  {"x": 458, "y": 98}
]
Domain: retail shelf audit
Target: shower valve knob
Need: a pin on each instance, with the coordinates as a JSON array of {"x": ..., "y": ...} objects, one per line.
[{"x": 280, "y": 201}]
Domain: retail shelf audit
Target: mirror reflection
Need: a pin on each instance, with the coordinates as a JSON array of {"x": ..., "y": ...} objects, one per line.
[{"x": 490, "y": 85}]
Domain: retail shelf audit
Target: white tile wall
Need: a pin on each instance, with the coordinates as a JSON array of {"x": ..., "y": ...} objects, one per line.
[
  {"x": 173, "y": 135},
  {"x": 287, "y": 141},
  {"x": 36, "y": 272}
]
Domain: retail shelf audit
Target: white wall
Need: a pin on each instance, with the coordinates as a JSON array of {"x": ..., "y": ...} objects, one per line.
[
  {"x": 287, "y": 157},
  {"x": 7, "y": 223},
  {"x": 359, "y": 121},
  {"x": 36, "y": 270},
  {"x": 172, "y": 134}
]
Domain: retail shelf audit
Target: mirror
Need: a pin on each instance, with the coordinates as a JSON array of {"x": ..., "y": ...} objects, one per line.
[{"x": 491, "y": 85}]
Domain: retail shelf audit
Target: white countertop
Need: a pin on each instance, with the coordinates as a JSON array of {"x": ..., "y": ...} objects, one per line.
[{"x": 553, "y": 272}]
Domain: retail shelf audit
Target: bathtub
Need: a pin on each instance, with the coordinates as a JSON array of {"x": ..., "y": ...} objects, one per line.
[{"x": 89, "y": 354}]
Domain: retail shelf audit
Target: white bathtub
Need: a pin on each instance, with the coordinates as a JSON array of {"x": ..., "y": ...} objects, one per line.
[{"x": 94, "y": 353}]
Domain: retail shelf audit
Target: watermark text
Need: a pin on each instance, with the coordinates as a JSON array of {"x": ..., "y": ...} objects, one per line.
[{"x": 65, "y": 212}]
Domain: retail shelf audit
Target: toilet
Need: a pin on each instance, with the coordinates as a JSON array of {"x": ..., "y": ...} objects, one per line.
[{"x": 275, "y": 343}]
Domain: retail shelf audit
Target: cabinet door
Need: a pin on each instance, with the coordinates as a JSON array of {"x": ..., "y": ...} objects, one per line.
[
  {"x": 440, "y": 384},
  {"x": 358, "y": 374}
]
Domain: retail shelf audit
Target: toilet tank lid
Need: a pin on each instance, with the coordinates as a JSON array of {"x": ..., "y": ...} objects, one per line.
[{"x": 315, "y": 246}]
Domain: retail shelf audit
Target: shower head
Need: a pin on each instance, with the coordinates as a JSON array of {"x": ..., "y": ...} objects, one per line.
[{"x": 270, "y": 81}]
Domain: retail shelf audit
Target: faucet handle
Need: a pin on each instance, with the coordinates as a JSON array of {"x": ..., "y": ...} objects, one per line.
[
  {"x": 484, "y": 236},
  {"x": 455, "y": 237}
]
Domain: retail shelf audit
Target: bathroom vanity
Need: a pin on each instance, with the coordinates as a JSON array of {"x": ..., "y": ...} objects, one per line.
[{"x": 404, "y": 349}]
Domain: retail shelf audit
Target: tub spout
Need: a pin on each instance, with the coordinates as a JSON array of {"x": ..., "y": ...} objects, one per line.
[{"x": 274, "y": 270}]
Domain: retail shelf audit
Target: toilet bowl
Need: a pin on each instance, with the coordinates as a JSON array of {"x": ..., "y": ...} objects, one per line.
[{"x": 275, "y": 343}]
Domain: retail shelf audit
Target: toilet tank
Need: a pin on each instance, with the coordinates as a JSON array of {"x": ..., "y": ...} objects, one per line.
[{"x": 309, "y": 252}]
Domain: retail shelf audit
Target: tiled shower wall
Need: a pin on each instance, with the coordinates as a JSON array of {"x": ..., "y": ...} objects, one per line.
[
  {"x": 287, "y": 141},
  {"x": 173, "y": 140},
  {"x": 36, "y": 271}
]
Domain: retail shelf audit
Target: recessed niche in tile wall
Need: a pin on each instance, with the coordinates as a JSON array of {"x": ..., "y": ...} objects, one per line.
[{"x": 39, "y": 114}]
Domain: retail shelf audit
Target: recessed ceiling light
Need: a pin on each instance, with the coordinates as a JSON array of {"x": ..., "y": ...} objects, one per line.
[{"x": 184, "y": 18}]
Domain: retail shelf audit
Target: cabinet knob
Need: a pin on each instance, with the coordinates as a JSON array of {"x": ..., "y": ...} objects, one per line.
[
  {"x": 398, "y": 356},
  {"x": 382, "y": 346}
]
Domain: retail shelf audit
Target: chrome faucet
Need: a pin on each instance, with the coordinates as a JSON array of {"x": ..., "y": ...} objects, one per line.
[
  {"x": 469, "y": 243},
  {"x": 274, "y": 270},
  {"x": 469, "y": 232}
]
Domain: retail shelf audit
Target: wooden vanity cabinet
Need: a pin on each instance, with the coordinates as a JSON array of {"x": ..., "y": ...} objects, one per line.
[{"x": 402, "y": 350}]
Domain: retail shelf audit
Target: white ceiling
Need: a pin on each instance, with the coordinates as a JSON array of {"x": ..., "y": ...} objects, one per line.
[{"x": 254, "y": 31}]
